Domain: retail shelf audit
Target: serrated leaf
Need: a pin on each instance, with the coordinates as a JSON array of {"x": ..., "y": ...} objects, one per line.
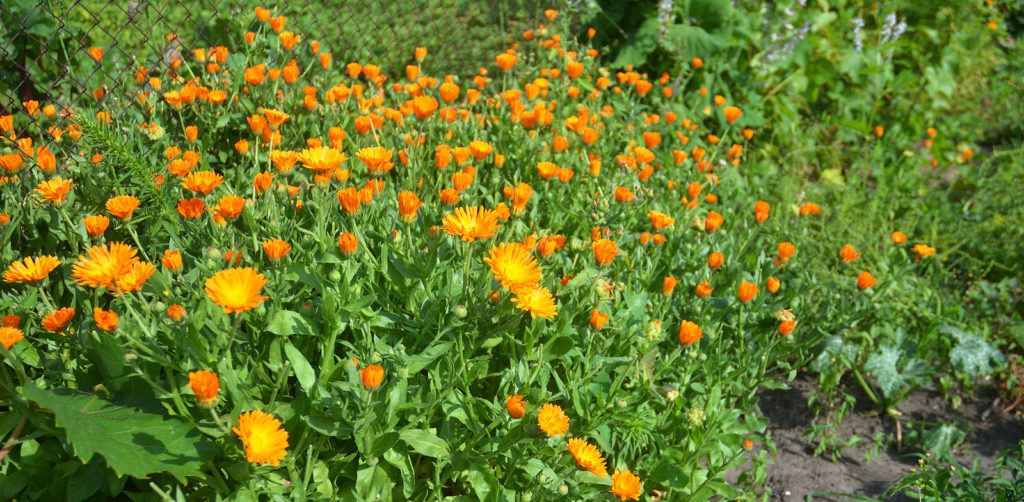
[{"x": 131, "y": 434}]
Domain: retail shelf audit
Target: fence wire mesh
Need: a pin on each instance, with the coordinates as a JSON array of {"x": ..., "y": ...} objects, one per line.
[{"x": 60, "y": 54}]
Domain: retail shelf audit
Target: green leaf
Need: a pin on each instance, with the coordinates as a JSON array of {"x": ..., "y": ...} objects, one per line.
[
  {"x": 425, "y": 443},
  {"x": 303, "y": 371},
  {"x": 133, "y": 437},
  {"x": 287, "y": 322},
  {"x": 423, "y": 359},
  {"x": 971, "y": 354},
  {"x": 893, "y": 371}
]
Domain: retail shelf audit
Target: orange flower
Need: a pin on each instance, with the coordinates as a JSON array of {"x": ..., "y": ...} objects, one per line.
[
  {"x": 471, "y": 223},
  {"x": 513, "y": 266},
  {"x": 264, "y": 439},
  {"x": 521, "y": 194},
  {"x": 623, "y": 194},
  {"x": 96, "y": 225},
  {"x": 716, "y": 259},
  {"x": 505, "y": 61},
  {"x": 480, "y": 149},
  {"x": 31, "y": 270},
  {"x": 58, "y": 320},
  {"x": 747, "y": 291},
  {"x": 171, "y": 260},
  {"x": 773, "y": 284},
  {"x": 597, "y": 319},
  {"x": 134, "y": 277},
  {"x": 731, "y": 113},
  {"x": 236, "y": 289},
  {"x": 229, "y": 207},
  {"x": 191, "y": 208},
  {"x": 786, "y": 327},
  {"x": 588, "y": 456},
  {"x": 536, "y": 300},
  {"x": 898, "y": 237},
  {"x": 689, "y": 333},
  {"x": 626, "y": 485},
  {"x": 104, "y": 319},
  {"x": 377, "y": 159},
  {"x": 191, "y": 133},
  {"x": 408, "y": 205},
  {"x": 347, "y": 243},
  {"x": 848, "y": 253},
  {"x": 55, "y": 190},
  {"x": 604, "y": 251},
  {"x": 922, "y": 250},
  {"x": 349, "y": 199},
  {"x": 175, "y": 312},
  {"x": 10, "y": 336},
  {"x": 761, "y": 209},
  {"x": 809, "y": 208},
  {"x": 704, "y": 289},
  {"x": 424, "y": 106},
  {"x": 786, "y": 250},
  {"x": 106, "y": 264},
  {"x": 660, "y": 219},
  {"x": 202, "y": 182},
  {"x": 552, "y": 420},
  {"x": 275, "y": 117},
  {"x": 46, "y": 160},
  {"x": 372, "y": 376},
  {"x": 713, "y": 221},
  {"x": 515, "y": 406},
  {"x": 205, "y": 386},
  {"x": 669, "y": 285},
  {"x": 321, "y": 159},
  {"x": 122, "y": 206},
  {"x": 276, "y": 249}
]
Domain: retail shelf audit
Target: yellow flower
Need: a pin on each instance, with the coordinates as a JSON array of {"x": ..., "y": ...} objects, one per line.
[
  {"x": 321, "y": 159},
  {"x": 588, "y": 456},
  {"x": 626, "y": 485},
  {"x": 377, "y": 159},
  {"x": 537, "y": 301},
  {"x": 264, "y": 439},
  {"x": 31, "y": 270},
  {"x": 513, "y": 266},
  {"x": 106, "y": 264},
  {"x": 236, "y": 289},
  {"x": 552, "y": 420},
  {"x": 55, "y": 190},
  {"x": 471, "y": 223}
]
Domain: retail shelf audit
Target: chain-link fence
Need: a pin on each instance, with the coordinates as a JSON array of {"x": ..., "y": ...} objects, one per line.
[{"x": 60, "y": 53}]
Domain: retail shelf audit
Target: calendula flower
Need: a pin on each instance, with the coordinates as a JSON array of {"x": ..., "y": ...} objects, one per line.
[
  {"x": 552, "y": 420},
  {"x": 275, "y": 117},
  {"x": 176, "y": 312},
  {"x": 408, "y": 205},
  {"x": 58, "y": 320},
  {"x": 848, "y": 253},
  {"x": 377, "y": 159},
  {"x": 713, "y": 221},
  {"x": 520, "y": 196},
  {"x": 515, "y": 406},
  {"x": 471, "y": 223},
  {"x": 236, "y": 289},
  {"x": 372, "y": 376},
  {"x": 10, "y": 336},
  {"x": 228, "y": 208},
  {"x": 761, "y": 209},
  {"x": 202, "y": 182},
  {"x": 922, "y": 250},
  {"x": 865, "y": 280},
  {"x": 513, "y": 266},
  {"x": 786, "y": 327},
  {"x": 276, "y": 248},
  {"x": 106, "y": 264},
  {"x": 668, "y": 285},
  {"x": 588, "y": 456},
  {"x": 703, "y": 289},
  {"x": 731, "y": 113},
  {"x": 597, "y": 319},
  {"x": 660, "y": 219},
  {"x": 899, "y": 237},
  {"x": 786, "y": 250},
  {"x": 95, "y": 225},
  {"x": 133, "y": 278},
  {"x": 31, "y": 270},
  {"x": 689, "y": 333},
  {"x": 347, "y": 243},
  {"x": 264, "y": 439},
  {"x": 191, "y": 208},
  {"x": 171, "y": 260},
  {"x": 773, "y": 284},
  {"x": 605, "y": 250},
  {"x": 122, "y": 206},
  {"x": 321, "y": 159},
  {"x": 626, "y": 485},
  {"x": 205, "y": 386},
  {"x": 747, "y": 291},
  {"x": 55, "y": 190},
  {"x": 536, "y": 300},
  {"x": 105, "y": 319}
]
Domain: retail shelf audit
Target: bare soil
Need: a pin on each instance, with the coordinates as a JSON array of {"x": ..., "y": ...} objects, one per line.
[{"x": 799, "y": 475}]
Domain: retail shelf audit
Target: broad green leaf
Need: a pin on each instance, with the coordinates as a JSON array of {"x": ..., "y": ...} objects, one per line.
[
  {"x": 131, "y": 435},
  {"x": 423, "y": 359},
  {"x": 971, "y": 354},
  {"x": 425, "y": 443},
  {"x": 287, "y": 322},
  {"x": 303, "y": 371}
]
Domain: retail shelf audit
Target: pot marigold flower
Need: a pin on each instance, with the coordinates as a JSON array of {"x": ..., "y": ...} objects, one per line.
[
  {"x": 597, "y": 319},
  {"x": 747, "y": 291},
  {"x": 106, "y": 263},
  {"x": 276, "y": 249},
  {"x": 716, "y": 259},
  {"x": 786, "y": 327},
  {"x": 588, "y": 456},
  {"x": 122, "y": 206},
  {"x": 205, "y": 386},
  {"x": 372, "y": 376},
  {"x": 264, "y": 440},
  {"x": 922, "y": 250},
  {"x": 10, "y": 321},
  {"x": 515, "y": 406},
  {"x": 669, "y": 285},
  {"x": 513, "y": 266},
  {"x": 552, "y": 420},
  {"x": 349, "y": 199},
  {"x": 31, "y": 270},
  {"x": 191, "y": 208},
  {"x": 202, "y": 182},
  {"x": 626, "y": 485},
  {"x": 236, "y": 289},
  {"x": 521, "y": 194},
  {"x": 95, "y": 225},
  {"x": 761, "y": 209},
  {"x": 732, "y": 113},
  {"x": 898, "y": 237},
  {"x": 605, "y": 250},
  {"x": 865, "y": 280},
  {"x": 58, "y": 320},
  {"x": 786, "y": 250},
  {"x": 773, "y": 284},
  {"x": 377, "y": 159},
  {"x": 703, "y": 289},
  {"x": 536, "y": 300},
  {"x": 689, "y": 333},
  {"x": 104, "y": 319},
  {"x": 660, "y": 219},
  {"x": 848, "y": 253},
  {"x": 623, "y": 194},
  {"x": 424, "y": 107},
  {"x": 134, "y": 277},
  {"x": 275, "y": 117},
  {"x": 505, "y": 61},
  {"x": 713, "y": 221},
  {"x": 408, "y": 205},
  {"x": 480, "y": 149},
  {"x": 471, "y": 223},
  {"x": 176, "y": 312},
  {"x": 55, "y": 190},
  {"x": 10, "y": 336},
  {"x": 321, "y": 159},
  {"x": 348, "y": 243},
  {"x": 229, "y": 207},
  {"x": 809, "y": 208}
]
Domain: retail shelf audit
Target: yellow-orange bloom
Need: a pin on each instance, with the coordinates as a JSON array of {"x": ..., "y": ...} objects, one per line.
[
  {"x": 10, "y": 336},
  {"x": 626, "y": 485},
  {"x": 95, "y": 225},
  {"x": 747, "y": 291},
  {"x": 536, "y": 300},
  {"x": 191, "y": 208},
  {"x": 134, "y": 277},
  {"x": 408, "y": 205},
  {"x": 865, "y": 280},
  {"x": 588, "y": 456},
  {"x": 321, "y": 159},
  {"x": 515, "y": 406},
  {"x": 347, "y": 243},
  {"x": 660, "y": 219},
  {"x": 899, "y": 237},
  {"x": 58, "y": 320},
  {"x": 605, "y": 250},
  {"x": 106, "y": 264},
  {"x": 731, "y": 113},
  {"x": 205, "y": 386},
  {"x": 689, "y": 333},
  {"x": 105, "y": 319},
  {"x": 264, "y": 440},
  {"x": 471, "y": 223},
  {"x": 513, "y": 266},
  {"x": 372, "y": 376},
  {"x": 171, "y": 260},
  {"x": 229, "y": 207},
  {"x": 31, "y": 270},
  {"x": 848, "y": 253},
  {"x": 202, "y": 182},
  {"x": 480, "y": 149},
  {"x": 276, "y": 248},
  {"x": 55, "y": 190},
  {"x": 597, "y": 319},
  {"x": 377, "y": 159},
  {"x": 122, "y": 206},
  {"x": 236, "y": 289},
  {"x": 552, "y": 420},
  {"x": 275, "y": 117}
]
